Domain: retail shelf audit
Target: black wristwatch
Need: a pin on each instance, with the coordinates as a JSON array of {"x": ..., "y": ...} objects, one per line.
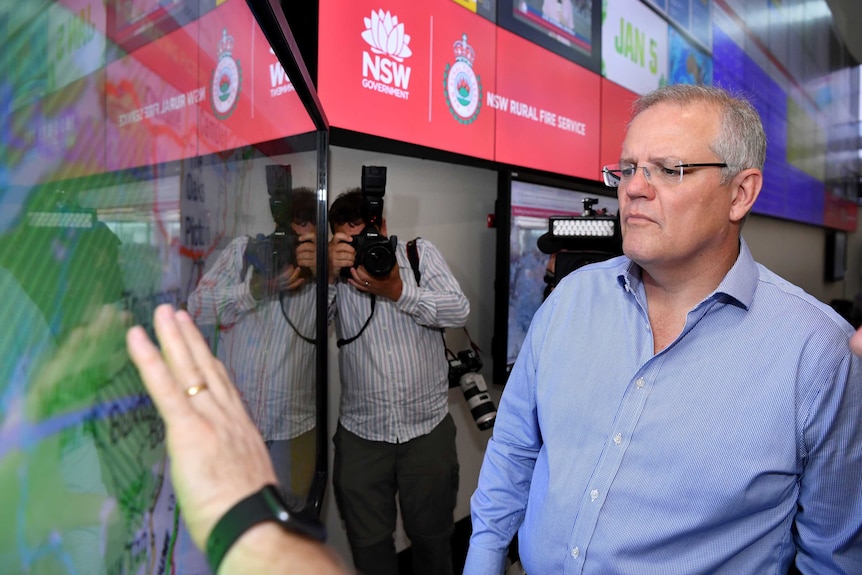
[{"x": 268, "y": 504}]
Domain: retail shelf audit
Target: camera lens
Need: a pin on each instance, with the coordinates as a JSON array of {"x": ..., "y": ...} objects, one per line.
[
  {"x": 478, "y": 400},
  {"x": 379, "y": 260}
]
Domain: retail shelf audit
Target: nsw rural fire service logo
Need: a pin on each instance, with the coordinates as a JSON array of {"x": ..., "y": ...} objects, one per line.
[
  {"x": 227, "y": 79},
  {"x": 463, "y": 87}
]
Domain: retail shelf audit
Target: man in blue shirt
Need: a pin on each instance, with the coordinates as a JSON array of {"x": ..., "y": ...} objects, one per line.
[{"x": 679, "y": 409}]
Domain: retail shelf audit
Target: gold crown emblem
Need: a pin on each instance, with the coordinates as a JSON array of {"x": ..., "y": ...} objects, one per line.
[{"x": 463, "y": 51}]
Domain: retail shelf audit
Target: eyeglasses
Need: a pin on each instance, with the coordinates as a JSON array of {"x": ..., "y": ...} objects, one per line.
[{"x": 616, "y": 175}]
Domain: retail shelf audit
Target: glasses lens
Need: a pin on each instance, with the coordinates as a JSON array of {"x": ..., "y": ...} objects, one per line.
[{"x": 611, "y": 175}]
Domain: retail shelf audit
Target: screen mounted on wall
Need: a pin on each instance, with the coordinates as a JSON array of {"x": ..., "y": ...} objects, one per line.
[
  {"x": 570, "y": 28},
  {"x": 523, "y": 208}
]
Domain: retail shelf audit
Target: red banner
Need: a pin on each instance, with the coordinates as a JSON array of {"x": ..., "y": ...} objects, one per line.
[
  {"x": 548, "y": 110},
  {"x": 248, "y": 97},
  {"x": 151, "y": 100},
  {"x": 616, "y": 113}
]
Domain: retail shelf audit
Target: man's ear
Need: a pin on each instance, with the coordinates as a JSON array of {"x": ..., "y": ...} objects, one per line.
[{"x": 746, "y": 188}]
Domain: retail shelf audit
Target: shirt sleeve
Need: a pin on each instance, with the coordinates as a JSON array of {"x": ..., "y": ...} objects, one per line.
[
  {"x": 223, "y": 296},
  {"x": 438, "y": 301},
  {"x": 498, "y": 505},
  {"x": 829, "y": 517}
]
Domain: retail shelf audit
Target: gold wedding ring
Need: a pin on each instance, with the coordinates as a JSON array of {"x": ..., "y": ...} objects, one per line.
[{"x": 196, "y": 389}]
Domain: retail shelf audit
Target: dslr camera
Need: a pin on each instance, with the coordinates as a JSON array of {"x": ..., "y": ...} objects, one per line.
[
  {"x": 374, "y": 251},
  {"x": 271, "y": 254},
  {"x": 464, "y": 373}
]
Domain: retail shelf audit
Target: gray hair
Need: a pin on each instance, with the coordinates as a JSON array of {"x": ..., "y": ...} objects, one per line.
[{"x": 741, "y": 141}]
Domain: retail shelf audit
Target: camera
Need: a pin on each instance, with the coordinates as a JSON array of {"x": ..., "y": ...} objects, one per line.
[
  {"x": 464, "y": 373},
  {"x": 270, "y": 255},
  {"x": 374, "y": 251},
  {"x": 576, "y": 241}
]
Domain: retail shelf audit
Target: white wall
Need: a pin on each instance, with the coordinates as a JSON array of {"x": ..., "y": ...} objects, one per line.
[{"x": 448, "y": 205}]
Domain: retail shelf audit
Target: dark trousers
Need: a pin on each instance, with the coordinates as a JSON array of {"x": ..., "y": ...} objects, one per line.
[{"x": 423, "y": 473}]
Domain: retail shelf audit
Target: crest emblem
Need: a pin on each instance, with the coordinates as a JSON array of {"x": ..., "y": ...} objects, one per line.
[
  {"x": 462, "y": 86},
  {"x": 227, "y": 79}
]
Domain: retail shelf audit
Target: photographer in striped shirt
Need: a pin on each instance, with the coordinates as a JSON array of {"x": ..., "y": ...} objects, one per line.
[{"x": 395, "y": 435}]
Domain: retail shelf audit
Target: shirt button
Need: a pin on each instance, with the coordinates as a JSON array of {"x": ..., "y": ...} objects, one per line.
[
  {"x": 576, "y": 552},
  {"x": 640, "y": 382},
  {"x": 618, "y": 438},
  {"x": 594, "y": 494}
]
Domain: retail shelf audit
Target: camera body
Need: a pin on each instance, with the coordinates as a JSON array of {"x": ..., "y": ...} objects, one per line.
[
  {"x": 374, "y": 251},
  {"x": 270, "y": 255},
  {"x": 464, "y": 373}
]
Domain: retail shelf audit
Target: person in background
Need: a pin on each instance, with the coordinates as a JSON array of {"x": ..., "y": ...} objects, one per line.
[
  {"x": 856, "y": 342},
  {"x": 679, "y": 409},
  {"x": 260, "y": 297},
  {"x": 217, "y": 454},
  {"x": 394, "y": 434}
]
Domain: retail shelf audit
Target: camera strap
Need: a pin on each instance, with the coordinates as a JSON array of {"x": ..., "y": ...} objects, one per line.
[
  {"x": 342, "y": 342},
  {"x": 413, "y": 256},
  {"x": 310, "y": 340}
]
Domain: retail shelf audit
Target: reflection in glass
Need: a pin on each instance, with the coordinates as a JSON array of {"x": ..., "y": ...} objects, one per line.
[
  {"x": 128, "y": 162},
  {"x": 257, "y": 301}
]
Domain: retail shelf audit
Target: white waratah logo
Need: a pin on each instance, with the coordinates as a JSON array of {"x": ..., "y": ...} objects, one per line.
[{"x": 386, "y": 36}]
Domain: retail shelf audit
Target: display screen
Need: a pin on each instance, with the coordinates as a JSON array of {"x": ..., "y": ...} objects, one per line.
[
  {"x": 547, "y": 110},
  {"x": 570, "y": 28},
  {"x": 525, "y": 207},
  {"x": 634, "y": 46},
  {"x": 451, "y": 80},
  {"x": 128, "y": 160}
]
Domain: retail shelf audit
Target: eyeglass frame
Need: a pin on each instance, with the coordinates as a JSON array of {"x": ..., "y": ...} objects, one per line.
[{"x": 607, "y": 173}]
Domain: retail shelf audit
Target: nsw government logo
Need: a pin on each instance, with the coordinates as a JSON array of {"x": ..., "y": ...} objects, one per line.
[
  {"x": 384, "y": 69},
  {"x": 227, "y": 79},
  {"x": 462, "y": 86}
]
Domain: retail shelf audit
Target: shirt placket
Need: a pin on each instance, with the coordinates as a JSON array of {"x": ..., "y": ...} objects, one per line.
[{"x": 616, "y": 445}]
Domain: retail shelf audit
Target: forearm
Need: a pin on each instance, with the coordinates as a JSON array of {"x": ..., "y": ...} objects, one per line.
[
  {"x": 435, "y": 308},
  {"x": 267, "y": 548},
  {"x": 438, "y": 300}
]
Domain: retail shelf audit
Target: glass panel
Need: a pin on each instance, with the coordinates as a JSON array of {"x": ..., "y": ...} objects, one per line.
[{"x": 145, "y": 145}]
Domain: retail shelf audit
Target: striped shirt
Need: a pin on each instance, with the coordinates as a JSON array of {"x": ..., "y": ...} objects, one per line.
[
  {"x": 271, "y": 365},
  {"x": 734, "y": 450},
  {"x": 394, "y": 377}
]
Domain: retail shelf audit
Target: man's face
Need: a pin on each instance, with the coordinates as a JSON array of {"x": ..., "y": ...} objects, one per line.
[
  {"x": 672, "y": 227},
  {"x": 301, "y": 228},
  {"x": 350, "y": 228}
]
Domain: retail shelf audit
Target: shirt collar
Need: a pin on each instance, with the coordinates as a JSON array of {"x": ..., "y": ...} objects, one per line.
[{"x": 737, "y": 287}]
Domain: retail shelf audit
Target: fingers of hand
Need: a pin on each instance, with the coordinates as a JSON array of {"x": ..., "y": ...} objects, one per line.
[
  {"x": 176, "y": 340},
  {"x": 166, "y": 393},
  {"x": 202, "y": 358}
]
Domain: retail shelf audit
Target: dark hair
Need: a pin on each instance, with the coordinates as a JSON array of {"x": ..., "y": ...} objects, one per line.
[
  {"x": 303, "y": 205},
  {"x": 346, "y": 208}
]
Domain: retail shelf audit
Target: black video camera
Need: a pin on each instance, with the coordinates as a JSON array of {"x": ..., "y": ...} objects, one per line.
[
  {"x": 464, "y": 373},
  {"x": 374, "y": 251},
  {"x": 270, "y": 255}
]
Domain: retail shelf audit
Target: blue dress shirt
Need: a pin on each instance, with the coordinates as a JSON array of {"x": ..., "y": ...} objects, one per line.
[{"x": 735, "y": 449}]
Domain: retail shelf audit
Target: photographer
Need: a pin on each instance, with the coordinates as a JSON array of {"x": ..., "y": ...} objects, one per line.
[
  {"x": 395, "y": 435},
  {"x": 260, "y": 297}
]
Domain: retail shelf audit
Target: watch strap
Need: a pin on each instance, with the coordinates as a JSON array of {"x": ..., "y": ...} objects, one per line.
[{"x": 261, "y": 506}]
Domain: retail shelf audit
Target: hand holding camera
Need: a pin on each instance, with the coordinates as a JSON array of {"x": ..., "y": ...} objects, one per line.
[{"x": 373, "y": 250}]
